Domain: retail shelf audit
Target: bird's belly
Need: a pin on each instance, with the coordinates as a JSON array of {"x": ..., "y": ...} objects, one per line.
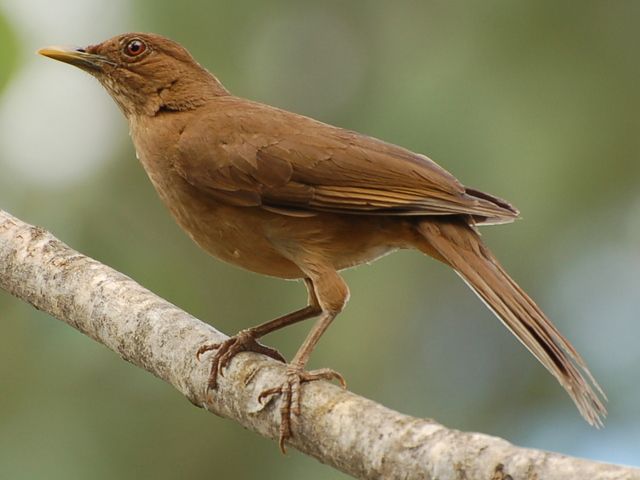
[
  {"x": 366, "y": 255},
  {"x": 274, "y": 244},
  {"x": 231, "y": 234},
  {"x": 280, "y": 246},
  {"x": 337, "y": 241},
  {"x": 234, "y": 238}
]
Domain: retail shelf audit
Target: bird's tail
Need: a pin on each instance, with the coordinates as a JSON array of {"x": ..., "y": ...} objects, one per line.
[{"x": 459, "y": 245}]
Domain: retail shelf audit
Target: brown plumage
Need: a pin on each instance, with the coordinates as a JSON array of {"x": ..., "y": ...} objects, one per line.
[{"x": 285, "y": 195}]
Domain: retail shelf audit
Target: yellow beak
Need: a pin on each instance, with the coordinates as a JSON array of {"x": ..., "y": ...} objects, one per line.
[{"x": 77, "y": 57}]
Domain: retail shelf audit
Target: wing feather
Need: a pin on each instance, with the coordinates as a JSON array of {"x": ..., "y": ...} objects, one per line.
[{"x": 250, "y": 154}]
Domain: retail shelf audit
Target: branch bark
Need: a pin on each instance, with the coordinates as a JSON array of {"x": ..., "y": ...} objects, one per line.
[{"x": 348, "y": 432}]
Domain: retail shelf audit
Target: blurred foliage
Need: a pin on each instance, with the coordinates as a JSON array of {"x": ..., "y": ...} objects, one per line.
[
  {"x": 8, "y": 51},
  {"x": 535, "y": 101}
]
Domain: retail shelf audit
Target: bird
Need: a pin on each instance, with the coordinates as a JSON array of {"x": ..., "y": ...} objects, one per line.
[{"x": 287, "y": 196}]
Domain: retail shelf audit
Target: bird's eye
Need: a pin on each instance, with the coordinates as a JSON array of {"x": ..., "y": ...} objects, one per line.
[{"x": 135, "y": 47}]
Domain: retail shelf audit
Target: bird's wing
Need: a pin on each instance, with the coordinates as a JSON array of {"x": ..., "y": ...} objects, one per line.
[{"x": 249, "y": 154}]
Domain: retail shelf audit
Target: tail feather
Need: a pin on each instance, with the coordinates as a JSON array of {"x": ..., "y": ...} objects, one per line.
[{"x": 459, "y": 245}]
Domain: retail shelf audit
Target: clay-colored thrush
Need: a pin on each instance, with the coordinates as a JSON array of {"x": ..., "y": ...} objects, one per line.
[{"x": 284, "y": 195}]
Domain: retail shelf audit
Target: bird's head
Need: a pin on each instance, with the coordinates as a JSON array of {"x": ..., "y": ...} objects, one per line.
[{"x": 144, "y": 73}]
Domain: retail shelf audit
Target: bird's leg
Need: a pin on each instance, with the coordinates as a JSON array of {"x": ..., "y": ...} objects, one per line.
[
  {"x": 296, "y": 376},
  {"x": 332, "y": 294},
  {"x": 246, "y": 340}
]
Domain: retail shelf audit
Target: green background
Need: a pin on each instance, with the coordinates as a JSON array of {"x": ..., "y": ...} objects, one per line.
[{"x": 534, "y": 101}]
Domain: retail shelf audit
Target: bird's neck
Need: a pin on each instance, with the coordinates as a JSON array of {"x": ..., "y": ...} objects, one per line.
[
  {"x": 186, "y": 93},
  {"x": 177, "y": 92}
]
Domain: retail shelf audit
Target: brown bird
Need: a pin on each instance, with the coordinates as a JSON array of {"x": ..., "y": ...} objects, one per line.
[{"x": 285, "y": 195}]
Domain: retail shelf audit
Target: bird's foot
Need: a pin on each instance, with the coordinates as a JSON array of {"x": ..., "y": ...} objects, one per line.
[
  {"x": 243, "y": 341},
  {"x": 290, "y": 391}
]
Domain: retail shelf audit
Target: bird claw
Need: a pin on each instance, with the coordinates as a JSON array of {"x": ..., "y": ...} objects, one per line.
[
  {"x": 290, "y": 391},
  {"x": 242, "y": 342}
]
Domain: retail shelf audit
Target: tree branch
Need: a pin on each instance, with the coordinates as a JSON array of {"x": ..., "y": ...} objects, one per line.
[{"x": 348, "y": 432}]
